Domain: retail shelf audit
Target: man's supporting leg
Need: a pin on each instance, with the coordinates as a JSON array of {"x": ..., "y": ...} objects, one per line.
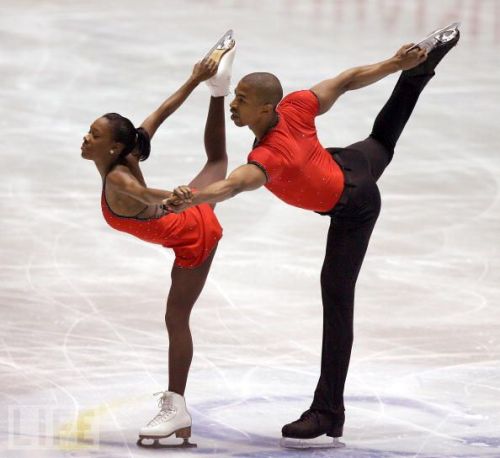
[{"x": 347, "y": 243}]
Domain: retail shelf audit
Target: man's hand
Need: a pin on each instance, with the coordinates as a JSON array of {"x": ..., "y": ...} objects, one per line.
[
  {"x": 245, "y": 178},
  {"x": 204, "y": 70},
  {"x": 182, "y": 194},
  {"x": 180, "y": 200},
  {"x": 407, "y": 60}
]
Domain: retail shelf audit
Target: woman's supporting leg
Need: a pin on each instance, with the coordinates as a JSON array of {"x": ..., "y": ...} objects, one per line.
[
  {"x": 215, "y": 168},
  {"x": 187, "y": 285}
]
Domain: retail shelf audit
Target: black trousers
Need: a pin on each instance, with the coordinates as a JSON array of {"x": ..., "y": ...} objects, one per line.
[{"x": 352, "y": 223}]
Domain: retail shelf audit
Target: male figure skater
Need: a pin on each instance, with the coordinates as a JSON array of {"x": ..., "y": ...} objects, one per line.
[{"x": 288, "y": 159}]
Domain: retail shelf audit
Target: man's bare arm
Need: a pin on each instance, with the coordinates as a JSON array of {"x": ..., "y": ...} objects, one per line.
[
  {"x": 247, "y": 177},
  {"x": 330, "y": 90}
]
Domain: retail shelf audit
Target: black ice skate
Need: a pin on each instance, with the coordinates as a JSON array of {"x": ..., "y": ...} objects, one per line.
[
  {"x": 313, "y": 429},
  {"x": 437, "y": 44},
  {"x": 438, "y": 37}
]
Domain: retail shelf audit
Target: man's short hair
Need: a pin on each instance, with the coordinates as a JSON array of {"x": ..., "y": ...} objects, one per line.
[{"x": 268, "y": 87}]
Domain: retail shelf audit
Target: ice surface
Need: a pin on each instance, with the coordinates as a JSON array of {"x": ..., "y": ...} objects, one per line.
[{"x": 82, "y": 339}]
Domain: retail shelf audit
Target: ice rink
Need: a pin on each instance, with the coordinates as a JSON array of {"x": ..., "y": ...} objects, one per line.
[{"x": 82, "y": 339}]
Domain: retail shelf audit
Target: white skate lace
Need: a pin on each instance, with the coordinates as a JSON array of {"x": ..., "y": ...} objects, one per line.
[{"x": 167, "y": 409}]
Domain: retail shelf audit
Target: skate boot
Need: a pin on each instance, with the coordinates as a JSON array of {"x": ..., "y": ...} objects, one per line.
[
  {"x": 223, "y": 53},
  {"x": 437, "y": 44},
  {"x": 313, "y": 430},
  {"x": 172, "y": 418}
]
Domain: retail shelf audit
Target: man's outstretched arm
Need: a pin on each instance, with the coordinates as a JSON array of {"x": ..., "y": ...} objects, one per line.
[
  {"x": 330, "y": 90},
  {"x": 245, "y": 178}
]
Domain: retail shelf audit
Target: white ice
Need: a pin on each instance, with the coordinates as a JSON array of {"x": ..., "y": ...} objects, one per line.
[{"x": 82, "y": 339}]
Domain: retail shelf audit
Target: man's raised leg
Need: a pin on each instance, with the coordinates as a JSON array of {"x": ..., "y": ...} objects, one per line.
[{"x": 392, "y": 119}]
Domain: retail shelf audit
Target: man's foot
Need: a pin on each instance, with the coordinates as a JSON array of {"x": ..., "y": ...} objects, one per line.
[
  {"x": 437, "y": 37},
  {"x": 223, "y": 53},
  {"x": 438, "y": 44},
  {"x": 318, "y": 442},
  {"x": 313, "y": 423},
  {"x": 306, "y": 432}
]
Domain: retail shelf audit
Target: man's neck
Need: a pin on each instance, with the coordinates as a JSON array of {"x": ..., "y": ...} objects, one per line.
[{"x": 262, "y": 127}]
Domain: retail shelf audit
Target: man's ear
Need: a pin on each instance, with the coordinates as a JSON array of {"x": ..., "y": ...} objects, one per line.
[{"x": 267, "y": 108}]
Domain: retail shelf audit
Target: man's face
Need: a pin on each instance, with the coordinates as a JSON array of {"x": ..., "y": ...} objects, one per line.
[{"x": 246, "y": 108}]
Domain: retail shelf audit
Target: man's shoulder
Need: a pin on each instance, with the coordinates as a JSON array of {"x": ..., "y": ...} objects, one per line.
[
  {"x": 304, "y": 101},
  {"x": 300, "y": 95}
]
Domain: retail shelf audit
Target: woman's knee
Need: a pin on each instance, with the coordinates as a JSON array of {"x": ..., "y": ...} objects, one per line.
[{"x": 176, "y": 322}]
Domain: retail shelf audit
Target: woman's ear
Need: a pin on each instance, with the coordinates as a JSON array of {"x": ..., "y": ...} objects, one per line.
[{"x": 118, "y": 147}]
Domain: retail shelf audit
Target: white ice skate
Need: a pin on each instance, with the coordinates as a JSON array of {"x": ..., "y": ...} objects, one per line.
[
  {"x": 172, "y": 418},
  {"x": 318, "y": 442},
  {"x": 438, "y": 37},
  {"x": 223, "y": 53}
]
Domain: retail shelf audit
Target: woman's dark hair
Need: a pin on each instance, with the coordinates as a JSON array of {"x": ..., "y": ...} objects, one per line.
[{"x": 124, "y": 132}]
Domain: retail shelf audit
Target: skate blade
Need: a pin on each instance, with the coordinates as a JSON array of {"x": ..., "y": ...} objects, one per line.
[
  {"x": 439, "y": 36},
  {"x": 224, "y": 45},
  {"x": 183, "y": 433},
  {"x": 288, "y": 442},
  {"x": 157, "y": 444}
]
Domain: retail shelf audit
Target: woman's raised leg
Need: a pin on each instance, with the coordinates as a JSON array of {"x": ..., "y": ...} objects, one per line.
[{"x": 215, "y": 168}]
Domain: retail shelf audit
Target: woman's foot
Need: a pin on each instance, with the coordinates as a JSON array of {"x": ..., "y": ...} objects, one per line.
[
  {"x": 223, "y": 53},
  {"x": 172, "y": 418}
]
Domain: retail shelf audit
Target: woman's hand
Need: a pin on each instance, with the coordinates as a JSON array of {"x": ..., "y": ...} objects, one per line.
[
  {"x": 204, "y": 70},
  {"x": 183, "y": 193},
  {"x": 180, "y": 200},
  {"x": 407, "y": 60}
]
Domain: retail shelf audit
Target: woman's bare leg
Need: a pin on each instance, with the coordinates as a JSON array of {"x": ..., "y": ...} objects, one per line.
[
  {"x": 187, "y": 285},
  {"x": 215, "y": 168}
]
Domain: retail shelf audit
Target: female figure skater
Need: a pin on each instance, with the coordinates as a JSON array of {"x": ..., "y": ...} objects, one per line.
[{"x": 129, "y": 205}]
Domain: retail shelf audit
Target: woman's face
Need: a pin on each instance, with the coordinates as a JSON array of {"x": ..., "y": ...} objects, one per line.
[{"x": 98, "y": 142}]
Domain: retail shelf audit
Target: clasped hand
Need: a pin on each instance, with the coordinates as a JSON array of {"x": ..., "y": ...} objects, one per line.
[{"x": 180, "y": 200}]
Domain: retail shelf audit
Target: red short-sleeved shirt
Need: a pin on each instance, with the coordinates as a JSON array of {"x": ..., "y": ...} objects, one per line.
[{"x": 299, "y": 170}]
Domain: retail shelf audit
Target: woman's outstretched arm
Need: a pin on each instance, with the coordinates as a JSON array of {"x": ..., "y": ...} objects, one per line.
[
  {"x": 122, "y": 181},
  {"x": 201, "y": 72}
]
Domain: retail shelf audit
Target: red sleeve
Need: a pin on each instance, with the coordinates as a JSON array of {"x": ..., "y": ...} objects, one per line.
[
  {"x": 268, "y": 162},
  {"x": 305, "y": 102}
]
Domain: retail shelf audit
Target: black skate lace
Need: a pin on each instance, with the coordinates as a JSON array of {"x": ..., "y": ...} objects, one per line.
[
  {"x": 166, "y": 408},
  {"x": 308, "y": 414}
]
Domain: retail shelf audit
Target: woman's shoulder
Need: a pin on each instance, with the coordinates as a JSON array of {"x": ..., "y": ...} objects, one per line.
[{"x": 118, "y": 175}]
